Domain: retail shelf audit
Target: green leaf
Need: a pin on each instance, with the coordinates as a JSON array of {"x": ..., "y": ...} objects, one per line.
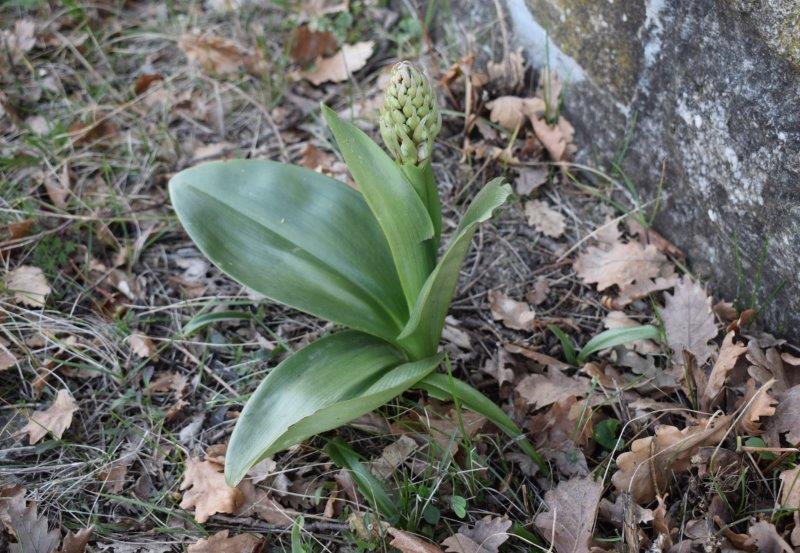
[
  {"x": 459, "y": 505},
  {"x": 566, "y": 344},
  {"x": 297, "y": 539},
  {"x": 616, "y": 337},
  {"x": 424, "y": 328},
  {"x": 297, "y": 237},
  {"x": 392, "y": 199},
  {"x": 369, "y": 486},
  {"x": 424, "y": 182},
  {"x": 606, "y": 432},
  {"x": 444, "y": 388},
  {"x": 204, "y": 319},
  {"x": 321, "y": 387}
]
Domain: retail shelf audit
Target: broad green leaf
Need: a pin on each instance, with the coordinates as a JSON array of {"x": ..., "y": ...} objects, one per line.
[
  {"x": 394, "y": 202},
  {"x": 297, "y": 237},
  {"x": 444, "y": 387},
  {"x": 566, "y": 344},
  {"x": 369, "y": 486},
  {"x": 615, "y": 337},
  {"x": 321, "y": 387},
  {"x": 424, "y": 328}
]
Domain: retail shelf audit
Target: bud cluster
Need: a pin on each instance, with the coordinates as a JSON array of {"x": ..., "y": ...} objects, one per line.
[{"x": 410, "y": 118}]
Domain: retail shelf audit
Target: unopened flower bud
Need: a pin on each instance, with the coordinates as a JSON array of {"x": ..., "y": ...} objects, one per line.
[{"x": 410, "y": 118}]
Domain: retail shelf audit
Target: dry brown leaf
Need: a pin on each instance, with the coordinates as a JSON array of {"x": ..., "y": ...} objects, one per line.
[
  {"x": 651, "y": 460},
  {"x": 55, "y": 419},
  {"x": 529, "y": 179},
  {"x": 308, "y": 44},
  {"x": 486, "y": 536},
  {"x": 729, "y": 354},
  {"x": 20, "y": 40},
  {"x": 556, "y": 139},
  {"x": 496, "y": 367},
  {"x": 541, "y": 390},
  {"x": 7, "y": 359},
  {"x": 219, "y": 55},
  {"x": 514, "y": 314},
  {"x": 409, "y": 543},
  {"x": 342, "y": 65},
  {"x": 58, "y": 187},
  {"x": 392, "y": 456},
  {"x": 622, "y": 265},
  {"x": 787, "y": 416},
  {"x": 174, "y": 383},
  {"x": 256, "y": 502},
  {"x": 28, "y": 285},
  {"x": 689, "y": 322},
  {"x": 571, "y": 511},
  {"x": 446, "y": 432},
  {"x": 544, "y": 218},
  {"x": 541, "y": 288},
  {"x": 510, "y": 111},
  {"x": 113, "y": 479},
  {"x": 76, "y": 543},
  {"x": 790, "y": 498},
  {"x": 221, "y": 543},
  {"x": 767, "y": 538},
  {"x": 541, "y": 358},
  {"x": 30, "y": 529},
  {"x": 206, "y": 490},
  {"x": 142, "y": 346},
  {"x": 510, "y": 72},
  {"x": 761, "y": 404}
]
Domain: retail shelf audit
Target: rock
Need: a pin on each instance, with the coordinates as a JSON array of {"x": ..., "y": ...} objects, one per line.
[{"x": 711, "y": 90}]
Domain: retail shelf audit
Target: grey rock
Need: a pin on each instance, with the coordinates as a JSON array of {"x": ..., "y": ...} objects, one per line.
[{"x": 714, "y": 89}]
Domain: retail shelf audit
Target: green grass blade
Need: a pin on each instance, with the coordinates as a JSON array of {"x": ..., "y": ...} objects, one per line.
[
  {"x": 205, "y": 319},
  {"x": 394, "y": 202},
  {"x": 321, "y": 387},
  {"x": 566, "y": 344},
  {"x": 444, "y": 387},
  {"x": 297, "y": 237},
  {"x": 616, "y": 337},
  {"x": 421, "y": 335},
  {"x": 369, "y": 486}
]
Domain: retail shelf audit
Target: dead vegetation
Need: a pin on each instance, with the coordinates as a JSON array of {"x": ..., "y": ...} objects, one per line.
[{"x": 125, "y": 356}]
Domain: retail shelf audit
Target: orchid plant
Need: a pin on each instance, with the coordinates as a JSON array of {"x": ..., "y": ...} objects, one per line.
[{"x": 365, "y": 260}]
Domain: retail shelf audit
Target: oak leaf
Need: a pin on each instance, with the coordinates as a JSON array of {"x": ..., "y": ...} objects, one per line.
[
  {"x": 790, "y": 498},
  {"x": 510, "y": 111},
  {"x": 308, "y": 44},
  {"x": 222, "y": 543},
  {"x": 689, "y": 321},
  {"x": 729, "y": 354},
  {"x": 513, "y": 314},
  {"x": 570, "y": 516},
  {"x": 544, "y": 218},
  {"x": 77, "y": 542},
  {"x": 623, "y": 264},
  {"x": 651, "y": 460},
  {"x": 28, "y": 284},
  {"x": 410, "y": 543},
  {"x": 30, "y": 529},
  {"x": 55, "y": 419},
  {"x": 486, "y": 536},
  {"x": 787, "y": 416},
  {"x": 340, "y": 66},
  {"x": 219, "y": 55},
  {"x": 206, "y": 490},
  {"x": 767, "y": 539},
  {"x": 142, "y": 346},
  {"x": 758, "y": 404},
  {"x": 541, "y": 390}
]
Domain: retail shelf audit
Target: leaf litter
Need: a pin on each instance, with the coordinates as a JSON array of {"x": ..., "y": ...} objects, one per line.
[{"x": 640, "y": 438}]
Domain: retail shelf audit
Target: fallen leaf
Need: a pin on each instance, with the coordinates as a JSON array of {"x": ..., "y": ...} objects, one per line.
[
  {"x": 496, "y": 367},
  {"x": 689, "y": 322},
  {"x": 308, "y": 44},
  {"x": 446, "y": 431},
  {"x": 58, "y": 187},
  {"x": 486, "y": 536},
  {"x": 30, "y": 529},
  {"x": 261, "y": 470},
  {"x": 760, "y": 404},
  {"x": 622, "y": 265},
  {"x": 219, "y": 55},
  {"x": 544, "y": 218},
  {"x": 790, "y": 498},
  {"x": 113, "y": 479},
  {"x": 556, "y": 139},
  {"x": 729, "y": 354},
  {"x": 256, "y": 502},
  {"x": 509, "y": 73},
  {"x": 28, "y": 284},
  {"x": 409, "y": 543},
  {"x": 142, "y": 346},
  {"x": 510, "y": 111},
  {"x": 76, "y": 543},
  {"x": 529, "y": 179},
  {"x": 787, "y": 416},
  {"x": 7, "y": 359},
  {"x": 206, "y": 490},
  {"x": 541, "y": 358},
  {"x": 20, "y": 40},
  {"x": 514, "y": 314},
  {"x": 392, "y": 457},
  {"x": 651, "y": 460},
  {"x": 569, "y": 520},
  {"x": 221, "y": 543},
  {"x": 144, "y": 81},
  {"x": 174, "y": 383},
  {"x": 541, "y": 390},
  {"x": 767, "y": 538},
  {"x": 55, "y": 419},
  {"x": 342, "y": 65}
]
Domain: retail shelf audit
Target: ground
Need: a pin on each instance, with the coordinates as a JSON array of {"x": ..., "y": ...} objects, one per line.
[{"x": 126, "y": 356}]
